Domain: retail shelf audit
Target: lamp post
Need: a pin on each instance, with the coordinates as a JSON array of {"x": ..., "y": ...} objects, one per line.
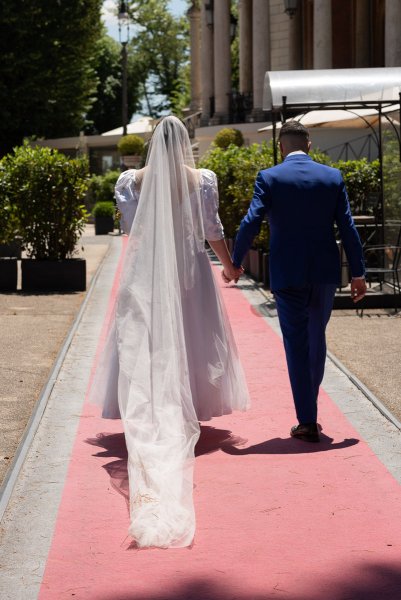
[
  {"x": 290, "y": 7},
  {"x": 123, "y": 35}
]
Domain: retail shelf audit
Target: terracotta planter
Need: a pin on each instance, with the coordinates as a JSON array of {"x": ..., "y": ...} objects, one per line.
[
  {"x": 68, "y": 275},
  {"x": 8, "y": 274},
  {"x": 132, "y": 161}
]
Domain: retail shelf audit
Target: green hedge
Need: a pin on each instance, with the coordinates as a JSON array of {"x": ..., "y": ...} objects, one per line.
[
  {"x": 9, "y": 222},
  {"x": 236, "y": 169},
  {"x": 101, "y": 188},
  {"x": 131, "y": 145},
  {"x": 227, "y": 136},
  {"x": 45, "y": 191},
  {"x": 103, "y": 209}
]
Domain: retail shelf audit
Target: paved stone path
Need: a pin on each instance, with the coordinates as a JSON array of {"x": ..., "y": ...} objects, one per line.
[{"x": 276, "y": 518}]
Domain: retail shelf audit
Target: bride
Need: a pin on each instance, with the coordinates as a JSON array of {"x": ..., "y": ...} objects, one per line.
[{"x": 170, "y": 359}]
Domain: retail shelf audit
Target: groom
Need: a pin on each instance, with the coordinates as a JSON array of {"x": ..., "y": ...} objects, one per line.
[{"x": 302, "y": 201}]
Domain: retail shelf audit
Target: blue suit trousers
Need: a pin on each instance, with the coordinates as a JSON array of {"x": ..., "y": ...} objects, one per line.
[{"x": 303, "y": 313}]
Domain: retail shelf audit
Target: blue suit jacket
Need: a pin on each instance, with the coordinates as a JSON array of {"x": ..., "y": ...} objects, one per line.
[{"x": 302, "y": 200}]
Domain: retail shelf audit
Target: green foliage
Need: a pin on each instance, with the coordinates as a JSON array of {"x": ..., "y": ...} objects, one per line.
[
  {"x": 105, "y": 113},
  {"x": 391, "y": 177},
  {"x": 227, "y": 136},
  {"x": 101, "y": 188},
  {"x": 320, "y": 157},
  {"x": 47, "y": 190},
  {"x": 103, "y": 209},
  {"x": 160, "y": 49},
  {"x": 361, "y": 178},
  {"x": 131, "y": 145},
  {"x": 47, "y": 70},
  {"x": 9, "y": 223},
  {"x": 236, "y": 169},
  {"x": 235, "y": 49}
]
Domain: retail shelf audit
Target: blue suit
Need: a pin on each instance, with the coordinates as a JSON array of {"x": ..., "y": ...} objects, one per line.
[{"x": 302, "y": 201}]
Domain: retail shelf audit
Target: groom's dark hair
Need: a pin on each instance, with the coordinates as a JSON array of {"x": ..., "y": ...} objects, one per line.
[{"x": 294, "y": 128}]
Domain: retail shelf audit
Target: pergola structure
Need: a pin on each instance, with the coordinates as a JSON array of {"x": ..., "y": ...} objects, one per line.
[{"x": 288, "y": 94}]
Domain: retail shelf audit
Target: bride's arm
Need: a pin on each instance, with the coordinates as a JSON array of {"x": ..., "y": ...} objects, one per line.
[
  {"x": 220, "y": 249},
  {"x": 126, "y": 197},
  {"x": 214, "y": 231}
]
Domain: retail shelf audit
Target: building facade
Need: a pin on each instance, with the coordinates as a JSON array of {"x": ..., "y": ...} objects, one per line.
[{"x": 320, "y": 34}]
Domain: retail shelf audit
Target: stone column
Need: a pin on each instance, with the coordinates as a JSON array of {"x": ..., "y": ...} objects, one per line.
[
  {"x": 260, "y": 52},
  {"x": 222, "y": 61},
  {"x": 245, "y": 46},
  {"x": 295, "y": 40},
  {"x": 362, "y": 33},
  {"x": 322, "y": 35},
  {"x": 207, "y": 66},
  {"x": 194, "y": 15},
  {"x": 392, "y": 37}
]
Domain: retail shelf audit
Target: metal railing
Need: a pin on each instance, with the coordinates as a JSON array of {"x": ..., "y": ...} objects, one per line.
[
  {"x": 356, "y": 148},
  {"x": 191, "y": 122}
]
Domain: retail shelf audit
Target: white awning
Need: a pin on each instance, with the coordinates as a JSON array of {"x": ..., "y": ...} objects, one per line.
[
  {"x": 142, "y": 125},
  {"x": 341, "y": 118},
  {"x": 319, "y": 86}
]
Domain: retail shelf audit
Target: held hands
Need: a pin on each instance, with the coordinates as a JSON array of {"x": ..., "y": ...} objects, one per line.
[
  {"x": 230, "y": 273},
  {"x": 358, "y": 289}
]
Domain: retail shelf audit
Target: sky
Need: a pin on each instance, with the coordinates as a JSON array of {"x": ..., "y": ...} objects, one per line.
[{"x": 177, "y": 7}]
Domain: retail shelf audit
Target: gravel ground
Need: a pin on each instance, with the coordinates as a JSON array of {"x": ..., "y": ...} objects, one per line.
[
  {"x": 33, "y": 328},
  {"x": 370, "y": 347}
]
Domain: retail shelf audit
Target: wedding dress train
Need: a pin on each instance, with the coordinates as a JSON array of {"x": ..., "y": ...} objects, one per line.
[{"x": 170, "y": 359}]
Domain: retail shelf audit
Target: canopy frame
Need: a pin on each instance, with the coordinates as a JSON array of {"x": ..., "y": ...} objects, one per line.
[{"x": 290, "y": 110}]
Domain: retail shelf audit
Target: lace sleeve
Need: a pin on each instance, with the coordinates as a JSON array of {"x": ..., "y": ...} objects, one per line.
[
  {"x": 210, "y": 204},
  {"x": 127, "y": 199}
]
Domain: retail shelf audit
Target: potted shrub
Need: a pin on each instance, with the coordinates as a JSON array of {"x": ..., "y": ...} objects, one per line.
[
  {"x": 228, "y": 136},
  {"x": 101, "y": 189},
  {"x": 48, "y": 190},
  {"x": 131, "y": 148},
  {"x": 10, "y": 247},
  {"x": 103, "y": 212}
]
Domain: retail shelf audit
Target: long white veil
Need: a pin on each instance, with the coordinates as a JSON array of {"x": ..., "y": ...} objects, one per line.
[{"x": 160, "y": 423}]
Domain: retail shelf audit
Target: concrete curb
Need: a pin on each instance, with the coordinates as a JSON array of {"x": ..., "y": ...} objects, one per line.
[
  {"x": 365, "y": 391},
  {"x": 12, "y": 474}
]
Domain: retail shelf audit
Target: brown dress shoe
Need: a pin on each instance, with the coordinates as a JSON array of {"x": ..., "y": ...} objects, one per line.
[{"x": 309, "y": 432}]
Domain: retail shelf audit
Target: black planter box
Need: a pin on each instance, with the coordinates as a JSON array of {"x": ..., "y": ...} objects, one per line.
[
  {"x": 13, "y": 249},
  {"x": 104, "y": 225},
  {"x": 67, "y": 275},
  {"x": 8, "y": 274}
]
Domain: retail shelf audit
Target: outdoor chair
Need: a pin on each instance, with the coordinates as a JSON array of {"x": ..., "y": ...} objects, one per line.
[
  {"x": 366, "y": 218},
  {"x": 382, "y": 264}
]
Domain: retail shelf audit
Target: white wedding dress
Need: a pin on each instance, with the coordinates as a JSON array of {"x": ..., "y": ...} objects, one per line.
[{"x": 170, "y": 359}]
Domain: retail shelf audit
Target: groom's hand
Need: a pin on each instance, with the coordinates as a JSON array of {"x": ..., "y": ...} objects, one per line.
[
  {"x": 358, "y": 289},
  {"x": 231, "y": 273}
]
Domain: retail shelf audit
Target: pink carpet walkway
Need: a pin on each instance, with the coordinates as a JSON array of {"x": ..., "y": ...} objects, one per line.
[{"x": 276, "y": 517}]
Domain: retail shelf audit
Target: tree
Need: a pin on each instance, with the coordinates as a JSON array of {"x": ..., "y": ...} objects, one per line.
[
  {"x": 47, "y": 72},
  {"x": 105, "y": 113},
  {"x": 160, "y": 49}
]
